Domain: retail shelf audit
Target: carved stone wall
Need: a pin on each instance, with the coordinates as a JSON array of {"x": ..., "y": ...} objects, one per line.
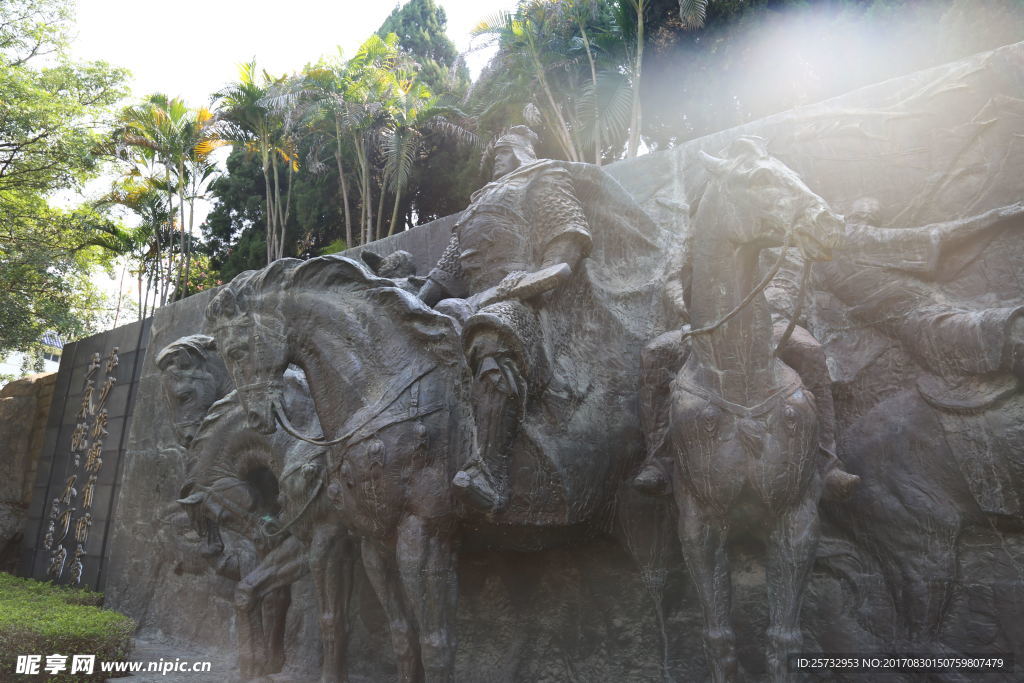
[
  {"x": 83, "y": 444},
  {"x": 24, "y": 407},
  {"x": 916, "y": 557}
]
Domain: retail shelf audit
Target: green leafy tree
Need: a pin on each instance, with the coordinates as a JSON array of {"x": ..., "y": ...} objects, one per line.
[
  {"x": 233, "y": 232},
  {"x": 421, "y": 29},
  {"x": 533, "y": 43},
  {"x": 139, "y": 244},
  {"x": 168, "y": 143},
  {"x": 52, "y": 114},
  {"x": 247, "y": 119},
  {"x": 414, "y": 114}
]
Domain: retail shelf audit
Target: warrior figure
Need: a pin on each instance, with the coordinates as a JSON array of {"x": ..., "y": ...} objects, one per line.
[{"x": 538, "y": 280}]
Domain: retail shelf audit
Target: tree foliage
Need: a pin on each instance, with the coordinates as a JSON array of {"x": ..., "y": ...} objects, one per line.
[
  {"x": 358, "y": 131},
  {"x": 52, "y": 110},
  {"x": 420, "y": 26}
]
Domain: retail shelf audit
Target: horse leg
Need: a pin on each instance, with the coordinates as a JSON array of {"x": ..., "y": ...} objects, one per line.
[
  {"x": 250, "y": 635},
  {"x": 262, "y": 598},
  {"x": 426, "y": 560},
  {"x": 275, "y": 611},
  {"x": 331, "y": 562},
  {"x": 703, "y": 539},
  {"x": 383, "y": 574},
  {"x": 791, "y": 548}
]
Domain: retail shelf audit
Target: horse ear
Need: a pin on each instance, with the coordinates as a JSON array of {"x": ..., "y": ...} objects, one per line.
[
  {"x": 223, "y": 305},
  {"x": 749, "y": 145},
  {"x": 714, "y": 165},
  {"x": 371, "y": 259}
]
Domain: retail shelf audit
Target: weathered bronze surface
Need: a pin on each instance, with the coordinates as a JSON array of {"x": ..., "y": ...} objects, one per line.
[{"x": 805, "y": 337}]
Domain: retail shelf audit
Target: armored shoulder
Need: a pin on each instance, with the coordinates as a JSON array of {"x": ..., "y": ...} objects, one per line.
[{"x": 555, "y": 210}]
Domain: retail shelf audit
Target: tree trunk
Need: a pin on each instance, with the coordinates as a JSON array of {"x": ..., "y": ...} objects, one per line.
[
  {"x": 287, "y": 209},
  {"x": 183, "y": 259},
  {"x": 120, "y": 291},
  {"x": 380, "y": 212},
  {"x": 279, "y": 228},
  {"x": 635, "y": 117},
  {"x": 269, "y": 207},
  {"x": 394, "y": 212},
  {"x": 342, "y": 182}
]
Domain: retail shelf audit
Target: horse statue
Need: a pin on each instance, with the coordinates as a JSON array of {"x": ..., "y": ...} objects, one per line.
[
  {"x": 241, "y": 481},
  {"x": 743, "y": 428},
  {"x": 392, "y": 389}
]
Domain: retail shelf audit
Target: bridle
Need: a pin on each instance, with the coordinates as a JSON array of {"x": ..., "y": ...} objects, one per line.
[{"x": 805, "y": 277}]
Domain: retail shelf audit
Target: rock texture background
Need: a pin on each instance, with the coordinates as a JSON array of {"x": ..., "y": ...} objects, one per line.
[
  {"x": 24, "y": 407},
  {"x": 912, "y": 562}
]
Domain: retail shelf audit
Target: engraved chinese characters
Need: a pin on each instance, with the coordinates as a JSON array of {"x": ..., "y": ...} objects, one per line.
[{"x": 70, "y": 517}]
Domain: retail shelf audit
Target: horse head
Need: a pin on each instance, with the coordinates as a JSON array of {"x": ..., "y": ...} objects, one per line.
[
  {"x": 193, "y": 377},
  {"x": 226, "y": 503},
  {"x": 769, "y": 204},
  {"x": 251, "y": 335}
]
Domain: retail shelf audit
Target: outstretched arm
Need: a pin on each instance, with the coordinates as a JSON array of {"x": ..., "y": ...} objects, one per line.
[{"x": 955, "y": 233}]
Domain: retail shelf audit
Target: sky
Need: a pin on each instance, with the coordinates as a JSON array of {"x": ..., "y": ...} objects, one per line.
[{"x": 191, "y": 48}]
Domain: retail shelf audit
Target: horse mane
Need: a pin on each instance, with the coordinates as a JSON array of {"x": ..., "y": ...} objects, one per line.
[
  {"x": 236, "y": 298},
  {"x": 221, "y": 458},
  {"x": 334, "y": 272}
]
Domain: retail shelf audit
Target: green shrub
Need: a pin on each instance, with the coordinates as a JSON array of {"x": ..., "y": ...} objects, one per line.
[{"x": 38, "y": 618}]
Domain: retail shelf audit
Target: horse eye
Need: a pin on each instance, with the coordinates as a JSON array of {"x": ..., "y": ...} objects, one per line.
[
  {"x": 237, "y": 353},
  {"x": 761, "y": 177}
]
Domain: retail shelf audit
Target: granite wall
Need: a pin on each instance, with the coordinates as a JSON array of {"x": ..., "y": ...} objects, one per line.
[{"x": 24, "y": 407}]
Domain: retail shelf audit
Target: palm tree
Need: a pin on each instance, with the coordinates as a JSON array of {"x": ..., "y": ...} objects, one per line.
[
  {"x": 318, "y": 97},
  {"x": 413, "y": 114},
  {"x": 244, "y": 117},
  {"x": 163, "y": 134},
  {"x": 527, "y": 39},
  {"x": 583, "y": 63},
  {"x": 139, "y": 244},
  {"x": 632, "y": 21},
  {"x": 342, "y": 103},
  {"x": 367, "y": 82}
]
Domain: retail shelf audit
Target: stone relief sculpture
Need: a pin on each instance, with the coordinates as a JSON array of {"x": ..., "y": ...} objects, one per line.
[
  {"x": 743, "y": 428},
  {"x": 543, "y": 262},
  {"x": 267, "y": 493},
  {"x": 939, "y": 456},
  {"x": 517, "y": 398},
  {"x": 544, "y": 354}
]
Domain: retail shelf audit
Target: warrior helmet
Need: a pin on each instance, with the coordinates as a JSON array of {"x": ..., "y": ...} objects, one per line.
[{"x": 521, "y": 141}]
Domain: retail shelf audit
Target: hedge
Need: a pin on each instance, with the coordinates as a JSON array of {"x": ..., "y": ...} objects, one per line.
[{"x": 38, "y": 618}]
